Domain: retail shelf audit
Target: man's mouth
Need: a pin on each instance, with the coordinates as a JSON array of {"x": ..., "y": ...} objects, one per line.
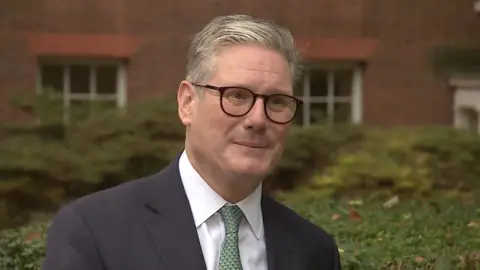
[{"x": 252, "y": 145}]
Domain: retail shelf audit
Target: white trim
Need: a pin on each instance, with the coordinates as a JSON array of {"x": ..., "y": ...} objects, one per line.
[
  {"x": 121, "y": 86},
  {"x": 465, "y": 81},
  {"x": 462, "y": 120},
  {"x": 357, "y": 96},
  {"x": 306, "y": 99},
  {"x": 476, "y": 6},
  {"x": 87, "y": 97},
  {"x": 93, "y": 82},
  {"x": 478, "y": 121},
  {"x": 38, "y": 89},
  {"x": 66, "y": 93},
  {"x": 330, "y": 99},
  {"x": 466, "y": 98},
  {"x": 38, "y": 80},
  {"x": 330, "y": 96},
  {"x": 120, "y": 95}
]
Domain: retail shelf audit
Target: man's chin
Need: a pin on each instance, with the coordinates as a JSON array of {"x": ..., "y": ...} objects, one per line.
[{"x": 251, "y": 167}]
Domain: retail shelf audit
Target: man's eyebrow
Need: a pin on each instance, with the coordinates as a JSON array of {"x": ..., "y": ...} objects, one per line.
[{"x": 269, "y": 90}]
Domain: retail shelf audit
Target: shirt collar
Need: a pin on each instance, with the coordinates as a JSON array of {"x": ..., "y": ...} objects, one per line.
[{"x": 205, "y": 202}]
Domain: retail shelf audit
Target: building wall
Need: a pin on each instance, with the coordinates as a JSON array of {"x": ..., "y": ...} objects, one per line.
[{"x": 399, "y": 85}]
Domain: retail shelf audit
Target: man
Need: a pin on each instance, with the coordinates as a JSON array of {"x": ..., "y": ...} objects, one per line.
[{"x": 207, "y": 210}]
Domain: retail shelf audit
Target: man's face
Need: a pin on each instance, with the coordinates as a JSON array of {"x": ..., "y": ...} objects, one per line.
[{"x": 248, "y": 145}]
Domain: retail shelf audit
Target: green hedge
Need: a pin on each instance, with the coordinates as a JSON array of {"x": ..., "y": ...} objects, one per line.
[
  {"x": 434, "y": 233},
  {"x": 409, "y": 160},
  {"x": 23, "y": 247},
  {"x": 346, "y": 159},
  {"x": 43, "y": 166},
  {"x": 437, "y": 234}
]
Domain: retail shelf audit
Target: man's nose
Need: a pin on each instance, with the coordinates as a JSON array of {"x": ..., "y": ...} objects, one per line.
[{"x": 256, "y": 118}]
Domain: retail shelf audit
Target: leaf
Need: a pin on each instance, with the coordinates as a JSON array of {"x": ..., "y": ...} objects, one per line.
[
  {"x": 355, "y": 202},
  {"x": 419, "y": 259},
  {"x": 354, "y": 215},
  {"x": 32, "y": 236},
  {"x": 391, "y": 202},
  {"x": 336, "y": 216},
  {"x": 472, "y": 224}
]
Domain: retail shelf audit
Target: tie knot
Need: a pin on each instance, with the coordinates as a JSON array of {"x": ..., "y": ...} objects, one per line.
[{"x": 231, "y": 215}]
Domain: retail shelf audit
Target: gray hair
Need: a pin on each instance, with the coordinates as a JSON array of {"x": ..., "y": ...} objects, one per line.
[{"x": 230, "y": 30}]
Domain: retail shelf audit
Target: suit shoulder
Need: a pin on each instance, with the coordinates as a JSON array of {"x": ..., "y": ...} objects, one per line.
[{"x": 109, "y": 200}]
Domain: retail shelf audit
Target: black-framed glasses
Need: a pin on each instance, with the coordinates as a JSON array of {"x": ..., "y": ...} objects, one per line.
[{"x": 238, "y": 101}]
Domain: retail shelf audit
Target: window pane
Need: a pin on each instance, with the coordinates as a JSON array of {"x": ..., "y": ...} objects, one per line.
[
  {"x": 343, "y": 83},
  {"x": 52, "y": 78},
  {"x": 342, "y": 112},
  {"x": 318, "y": 83},
  {"x": 106, "y": 79},
  {"x": 80, "y": 79},
  {"x": 318, "y": 113}
]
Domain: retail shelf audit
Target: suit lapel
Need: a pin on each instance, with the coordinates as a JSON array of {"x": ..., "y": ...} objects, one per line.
[
  {"x": 283, "y": 251},
  {"x": 174, "y": 235},
  {"x": 172, "y": 228}
]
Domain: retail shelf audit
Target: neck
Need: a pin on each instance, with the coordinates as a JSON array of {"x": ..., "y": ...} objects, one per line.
[{"x": 232, "y": 188}]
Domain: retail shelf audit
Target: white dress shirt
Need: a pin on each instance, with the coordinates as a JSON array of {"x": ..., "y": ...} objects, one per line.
[{"x": 205, "y": 203}]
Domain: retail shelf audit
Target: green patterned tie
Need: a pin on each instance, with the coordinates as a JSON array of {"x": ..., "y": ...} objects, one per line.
[{"x": 230, "y": 253}]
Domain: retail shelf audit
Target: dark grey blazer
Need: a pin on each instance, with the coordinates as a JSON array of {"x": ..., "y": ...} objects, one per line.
[{"x": 147, "y": 224}]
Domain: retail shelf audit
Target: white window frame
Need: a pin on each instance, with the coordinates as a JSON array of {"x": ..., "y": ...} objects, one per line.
[
  {"x": 120, "y": 96},
  {"x": 467, "y": 96},
  {"x": 356, "y": 94}
]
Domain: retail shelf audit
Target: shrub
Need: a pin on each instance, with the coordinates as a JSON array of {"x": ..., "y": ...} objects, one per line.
[
  {"x": 43, "y": 166},
  {"x": 312, "y": 149},
  {"x": 417, "y": 233},
  {"x": 437, "y": 233},
  {"x": 23, "y": 247},
  {"x": 407, "y": 160}
]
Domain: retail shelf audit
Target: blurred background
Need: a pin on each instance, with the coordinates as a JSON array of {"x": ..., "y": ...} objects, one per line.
[{"x": 385, "y": 153}]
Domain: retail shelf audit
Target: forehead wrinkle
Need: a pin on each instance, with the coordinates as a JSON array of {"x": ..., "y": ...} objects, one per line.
[{"x": 263, "y": 70}]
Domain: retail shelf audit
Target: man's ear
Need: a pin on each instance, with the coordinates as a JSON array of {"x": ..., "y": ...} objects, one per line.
[{"x": 186, "y": 98}]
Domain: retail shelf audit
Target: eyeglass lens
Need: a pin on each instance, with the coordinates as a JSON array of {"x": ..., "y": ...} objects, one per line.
[{"x": 239, "y": 101}]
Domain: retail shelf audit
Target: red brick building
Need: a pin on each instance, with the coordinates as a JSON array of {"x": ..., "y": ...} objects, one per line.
[{"x": 369, "y": 60}]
